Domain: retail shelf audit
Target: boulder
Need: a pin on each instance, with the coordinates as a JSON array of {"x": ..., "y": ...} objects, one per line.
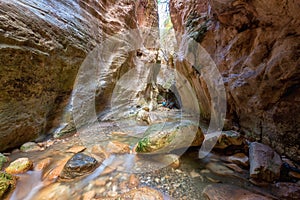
[
  {"x": 168, "y": 136},
  {"x": 265, "y": 163},
  {"x": 79, "y": 165},
  {"x": 30, "y": 146},
  {"x": 19, "y": 166}
]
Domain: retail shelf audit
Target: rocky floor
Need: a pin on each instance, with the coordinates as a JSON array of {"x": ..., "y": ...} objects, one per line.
[{"x": 72, "y": 168}]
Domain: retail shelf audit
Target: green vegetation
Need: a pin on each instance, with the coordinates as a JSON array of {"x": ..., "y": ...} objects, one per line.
[
  {"x": 7, "y": 182},
  {"x": 143, "y": 144}
]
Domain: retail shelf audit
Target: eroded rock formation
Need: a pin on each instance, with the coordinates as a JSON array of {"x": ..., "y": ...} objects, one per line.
[
  {"x": 43, "y": 44},
  {"x": 255, "y": 45}
]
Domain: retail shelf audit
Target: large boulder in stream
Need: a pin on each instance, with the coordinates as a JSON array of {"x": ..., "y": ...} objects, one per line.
[
  {"x": 169, "y": 136},
  {"x": 79, "y": 165}
]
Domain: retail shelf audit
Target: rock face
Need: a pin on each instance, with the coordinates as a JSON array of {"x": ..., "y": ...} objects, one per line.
[
  {"x": 42, "y": 46},
  {"x": 255, "y": 45},
  {"x": 265, "y": 163}
]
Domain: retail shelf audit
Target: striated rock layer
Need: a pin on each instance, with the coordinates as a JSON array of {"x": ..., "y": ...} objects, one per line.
[
  {"x": 42, "y": 46},
  {"x": 255, "y": 45}
]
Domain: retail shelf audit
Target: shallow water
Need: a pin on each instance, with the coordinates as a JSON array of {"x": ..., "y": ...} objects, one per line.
[{"x": 109, "y": 178}]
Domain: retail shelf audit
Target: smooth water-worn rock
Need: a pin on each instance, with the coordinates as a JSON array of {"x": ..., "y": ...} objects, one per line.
[
  {"x": 168, "y": 136},
  {"x": 255, "y": 46},
  {"x": 7, "y": 183},
  {"x": 19, "y": 166},
  {"x": 30, "y": 146},
  {"x": 226, "y": 192},
  {"x": 116, "y": 147},
  {"x": 79, "y": 165},
  {"x": 265, "y": 163}
]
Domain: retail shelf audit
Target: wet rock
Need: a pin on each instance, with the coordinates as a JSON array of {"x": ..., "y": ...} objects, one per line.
[
  {"x": 100, "y": 153},
  {"x": 239, "y": 159},
  {"x": 286, "y": 191},
  {"x": 76, "y": 149},
  {"x": 168, "y": 136},
  {"x": 171, "y": 160},
  {"x": 225, "y": 192},
  {"x": 55, "y": 191},
  {"x": 19, "y": 166},
  {"x": 30, "y": 147},
  {"x": 54, "y": 173},
  {"x": 116, "y": 147},
  {"x": 79, "y": 165},
  {"x": 113, "y": 166},
  {"x": 219, "y": 169},
  {"x": 7, "y": 183},
  {"x": 229, "y": 138},
  {"x": 43, "y": 164},
  {"x": 265, "y": 163},
  {"x": 3, "y": 159}
]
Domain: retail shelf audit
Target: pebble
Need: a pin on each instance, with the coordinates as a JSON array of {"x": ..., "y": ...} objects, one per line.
[{"x": 89, "y": 195}]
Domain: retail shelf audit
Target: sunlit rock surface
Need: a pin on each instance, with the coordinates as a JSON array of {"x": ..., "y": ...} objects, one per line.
[{"x": 255, "y": 46}]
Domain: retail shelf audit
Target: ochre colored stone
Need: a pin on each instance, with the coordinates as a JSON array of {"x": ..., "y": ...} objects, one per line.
[{"x": 19, "y": 166}]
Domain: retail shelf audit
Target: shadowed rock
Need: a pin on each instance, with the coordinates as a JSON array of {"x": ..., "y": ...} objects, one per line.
[{"x": 265, "y": 163}]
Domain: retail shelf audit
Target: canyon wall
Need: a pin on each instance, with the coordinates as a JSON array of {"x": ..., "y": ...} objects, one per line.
[
  {"x": 255, "y": 45},
  {"x": 42, "y": 46}
]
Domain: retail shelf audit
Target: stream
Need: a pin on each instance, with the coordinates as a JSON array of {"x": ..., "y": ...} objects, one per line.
[{"x": 121, "y": 173}]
